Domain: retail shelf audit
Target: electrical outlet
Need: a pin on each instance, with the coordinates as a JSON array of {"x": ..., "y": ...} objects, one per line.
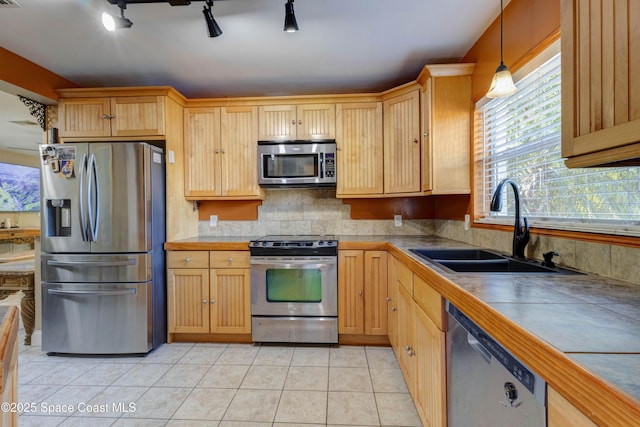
[
  {"x": 397, "y": 220},
  {"x": 172, "y": 156},
  {"x": 213, "y": 221},
  {"x": 467, "y": 221}
]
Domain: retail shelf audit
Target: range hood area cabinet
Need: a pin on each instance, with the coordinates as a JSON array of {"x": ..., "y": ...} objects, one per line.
[
  {"x": 93, "y": 113},
  {"x": 600, "y": 86},
  {"x": 220, "y": 153},
  {"x": 304, "y": 121}
]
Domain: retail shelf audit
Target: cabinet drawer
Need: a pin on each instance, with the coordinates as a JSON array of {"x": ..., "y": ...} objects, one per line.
[
  {"x": 405, "y": 277},
  {"x": 188, "y": 259},
  {"x": 229, "y": 259},
  {"x": 429, "y": 300}
]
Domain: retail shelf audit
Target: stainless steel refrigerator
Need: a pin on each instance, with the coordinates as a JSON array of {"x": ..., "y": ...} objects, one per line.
[{"x": 102, "y": 237}]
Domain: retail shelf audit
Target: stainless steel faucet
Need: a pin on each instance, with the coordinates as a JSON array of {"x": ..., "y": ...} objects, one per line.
[{"x": 520, "y": 232}]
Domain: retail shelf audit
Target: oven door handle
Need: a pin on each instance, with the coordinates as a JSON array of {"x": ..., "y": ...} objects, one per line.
[{"x": 307, "y": 261}]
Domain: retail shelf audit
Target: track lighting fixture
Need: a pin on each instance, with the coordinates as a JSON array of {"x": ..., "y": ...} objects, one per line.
[
  {"x": 212, "y": 25},
  {"x": 502, "y": 83},
  {"x": 112, "y": 23},
  {"x": 290, "y": 24}
]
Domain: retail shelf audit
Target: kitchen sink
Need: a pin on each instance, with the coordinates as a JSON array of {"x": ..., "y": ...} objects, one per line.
[{"x": 482, "y": 261}]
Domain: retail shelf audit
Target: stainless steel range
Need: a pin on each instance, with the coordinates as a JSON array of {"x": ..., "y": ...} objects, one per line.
[{"x": 294, "y": 289}]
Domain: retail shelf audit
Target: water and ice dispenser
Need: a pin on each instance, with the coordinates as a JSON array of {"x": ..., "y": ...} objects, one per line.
[{"x": 58, "y": 212}]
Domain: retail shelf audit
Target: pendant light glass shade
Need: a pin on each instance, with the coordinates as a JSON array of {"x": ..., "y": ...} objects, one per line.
[
  {"x": 290, "y": 23},
  {"x": 502, "y": 83}
]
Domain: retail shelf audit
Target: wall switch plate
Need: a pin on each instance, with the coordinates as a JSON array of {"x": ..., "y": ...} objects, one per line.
[
  {"x": 467, "y": 221},
  {"x": 397, "y": 220},
  {"x": 172, "y": 156},
  {"x": 213, "y": 220}
]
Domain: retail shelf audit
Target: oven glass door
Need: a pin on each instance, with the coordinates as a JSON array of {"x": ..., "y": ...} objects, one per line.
[
  {"x": 277, "y": 166},
  {"x": 294, "y": 286}
]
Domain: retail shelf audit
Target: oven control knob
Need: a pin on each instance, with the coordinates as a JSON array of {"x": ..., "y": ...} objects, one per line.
[{"x": 320, "y": 243}]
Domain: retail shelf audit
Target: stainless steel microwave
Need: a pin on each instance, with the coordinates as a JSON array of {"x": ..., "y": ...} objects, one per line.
[{"x": 297, "y": 163}]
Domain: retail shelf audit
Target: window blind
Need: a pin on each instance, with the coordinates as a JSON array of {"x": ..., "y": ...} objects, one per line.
[{"x": 520, "y": 139}]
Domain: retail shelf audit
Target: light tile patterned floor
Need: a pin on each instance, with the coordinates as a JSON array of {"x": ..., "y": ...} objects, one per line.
[{"x": 187, "y": 384}]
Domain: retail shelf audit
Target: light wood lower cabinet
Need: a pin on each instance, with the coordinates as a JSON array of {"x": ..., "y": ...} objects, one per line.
[
  {"x": 418, "y": 339},
  {"x": 561, "y": 413},
  {"x": 362, "y": 292},
  {"x": 208, "y": 292}
]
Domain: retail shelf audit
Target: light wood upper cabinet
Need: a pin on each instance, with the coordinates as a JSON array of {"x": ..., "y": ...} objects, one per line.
[
  {"x": 360, "y": 149},
  {"x": 307, "y": 121},
  {"x": 600, "y": 86},
  {"x": 220, "y": 148},
  {"x": 114, "y": 116},
  {"x": 402, "y": 143},
  {"x": 445, "y": 99},
  {"x": 362, "y": 292},
  {"x": 202, "y": 152}
]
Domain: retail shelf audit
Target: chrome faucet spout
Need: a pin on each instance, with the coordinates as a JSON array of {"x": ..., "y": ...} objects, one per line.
[{"x": 520, "y": 231}]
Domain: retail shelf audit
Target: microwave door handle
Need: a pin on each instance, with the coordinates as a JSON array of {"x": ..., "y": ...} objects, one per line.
[
  {"x": 321, "y": 160},
  {"x": 81, "y": 197}
]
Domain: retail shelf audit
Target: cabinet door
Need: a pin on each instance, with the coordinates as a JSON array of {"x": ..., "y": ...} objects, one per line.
[
  {"x": 84, "y": 117},
  {"x": 316, "y": 121},
  {"x": 430, "y": 391},
  {"x": 137, "y": 116},
  {"x": 351, "y": 292},
  {"x": 238, "y": 153},
  {"x": 392, "y": 301},
  {"x": 402, "y": 144},
  {"x": 202, "y": 152},
  {"x": 360, "y": 149},
  {"x": 277, "y": 122},
  {"x": 230, "y": 304},
  {"x": 446, "y": 126},
  {"x": 561, "y": 413},
  {"x": 188, "y": 300},
  {"x": 600, "y": 88},
  {"x": 405, "y": 350},
  {"x": 375, "y": 292}
]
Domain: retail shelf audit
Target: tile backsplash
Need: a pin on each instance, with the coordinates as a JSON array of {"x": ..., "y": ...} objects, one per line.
[{"x": 313, "y": 211}]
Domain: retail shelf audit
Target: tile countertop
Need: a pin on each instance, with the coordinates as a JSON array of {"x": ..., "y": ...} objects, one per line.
[{"x": 593, "y": 320}]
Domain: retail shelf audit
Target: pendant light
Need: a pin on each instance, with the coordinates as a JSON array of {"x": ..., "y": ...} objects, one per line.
[
  {"x": 290, "y": 23},
  {"x": 502, "y": 83}
]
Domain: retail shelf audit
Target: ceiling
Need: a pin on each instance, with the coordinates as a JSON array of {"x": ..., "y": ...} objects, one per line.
[{"x": 343, "y": 46}]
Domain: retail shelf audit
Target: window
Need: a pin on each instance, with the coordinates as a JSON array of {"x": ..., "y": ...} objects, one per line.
[{"x": 519, "y": 138}]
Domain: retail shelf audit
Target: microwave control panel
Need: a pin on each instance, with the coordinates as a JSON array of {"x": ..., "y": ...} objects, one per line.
[{"x": 330, "y": 165}]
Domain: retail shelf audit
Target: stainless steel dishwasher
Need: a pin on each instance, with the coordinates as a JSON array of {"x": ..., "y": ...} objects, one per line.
[{"x": 486, "y": 384}]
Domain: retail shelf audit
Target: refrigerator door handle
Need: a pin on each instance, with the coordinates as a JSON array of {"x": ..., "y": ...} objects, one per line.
[
  {"x": 126, "y": 262},
  {"x": 94, "y": 215},
  {"x": 130, "y": 291},
  {"x": 81, "y": 195}
]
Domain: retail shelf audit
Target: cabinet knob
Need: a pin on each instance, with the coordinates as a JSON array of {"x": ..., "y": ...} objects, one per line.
[
  {"x": 394, "y": 309},
  {"x": 415, "y": 140},
  {"x": 360, "y": 293},
  {"x": 187, "y": 260},
  {"x": 204, "y": 301},
  {"x": 425, "y": 134},
  {"x": 113, "y": 116},
  {"x": 388, "y": 298},
  {"x": 222, "y": 151},
  {"x": 299, "y": 122},
  {"x": 106, "y": 116},
  {"x": 213, "y": 301},
  {"x": 293, "y": 122},
  {"x": 217, "y": 151},
  {"x": 230, "y": 260}
]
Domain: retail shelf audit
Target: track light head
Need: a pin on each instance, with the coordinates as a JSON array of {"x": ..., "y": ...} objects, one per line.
[
  {"x": 290, "y": 23},
  {"x": 112, "y": 23},
  {"x": 212, "y": 26}
]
